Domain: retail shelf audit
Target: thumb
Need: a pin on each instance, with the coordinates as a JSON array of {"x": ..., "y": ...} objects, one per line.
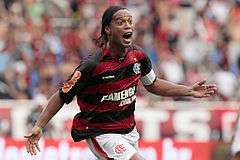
[
  {"x": 35, "y": 131},
  {"x": 201, "y": 82},
  {"x": 29, "y": 135}
]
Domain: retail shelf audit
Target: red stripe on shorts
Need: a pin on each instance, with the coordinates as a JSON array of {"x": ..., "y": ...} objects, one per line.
[{"x": 99, "y": 149}]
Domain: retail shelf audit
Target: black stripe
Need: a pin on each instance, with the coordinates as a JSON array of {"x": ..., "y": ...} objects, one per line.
[
  {"x": 79, "y": 135},
  {"x": 119, "y": 74},
  {"x": 146, "y": 66},
  {"x": 94, "y": 99},
  {"x": 103, "y": 117}
]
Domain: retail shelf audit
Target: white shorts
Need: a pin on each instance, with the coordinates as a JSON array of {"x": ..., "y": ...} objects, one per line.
[{"x": 114, "y": 146}]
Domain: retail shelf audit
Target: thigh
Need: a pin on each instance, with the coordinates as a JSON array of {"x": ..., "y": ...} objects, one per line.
[
  {"x": 132, "y": 138},
  {"x": 111, "y": 146}
]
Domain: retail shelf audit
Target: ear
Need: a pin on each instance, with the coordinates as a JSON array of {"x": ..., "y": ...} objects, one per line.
[{"x": 107, "y": 29}]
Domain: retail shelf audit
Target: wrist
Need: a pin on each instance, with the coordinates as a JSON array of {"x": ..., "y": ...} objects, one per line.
[
  {"x": 37, "y": 128},
  {"x": 189, "y": 91}
]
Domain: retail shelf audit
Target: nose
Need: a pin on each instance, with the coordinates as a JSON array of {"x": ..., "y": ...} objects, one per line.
[{"x": 128, "y": 25}]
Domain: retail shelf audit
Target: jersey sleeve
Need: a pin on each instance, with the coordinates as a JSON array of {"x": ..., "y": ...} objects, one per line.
[
  {"x": 148, "y": 76},
  {"x": 76, "y": 82},
  {"x": 69, "y": 88}
]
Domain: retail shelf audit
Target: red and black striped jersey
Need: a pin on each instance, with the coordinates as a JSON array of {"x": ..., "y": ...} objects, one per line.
[{"x": 105, "y": 88}]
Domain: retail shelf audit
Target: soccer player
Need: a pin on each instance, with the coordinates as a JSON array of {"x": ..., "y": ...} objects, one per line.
[{"x": 105, "y": 85}]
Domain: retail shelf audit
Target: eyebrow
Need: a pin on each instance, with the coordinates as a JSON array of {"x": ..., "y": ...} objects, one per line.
[{"x": 121, "y": 17}]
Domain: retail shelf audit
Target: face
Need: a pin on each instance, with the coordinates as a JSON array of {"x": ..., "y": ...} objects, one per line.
[{"x": 120, "y": 29}]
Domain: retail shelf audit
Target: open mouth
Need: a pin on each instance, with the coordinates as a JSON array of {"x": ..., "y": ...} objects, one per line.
[{"x": 127, "y": 35}]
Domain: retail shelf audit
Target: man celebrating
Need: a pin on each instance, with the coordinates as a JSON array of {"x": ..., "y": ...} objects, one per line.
[{"x": 105, "y": 85}]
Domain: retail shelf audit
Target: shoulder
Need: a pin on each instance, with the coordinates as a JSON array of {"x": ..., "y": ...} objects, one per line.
[
  {"x": 137, "y": 48},
  {"x": 139, "y": 52},
  {"x": 89, "y": 62}
]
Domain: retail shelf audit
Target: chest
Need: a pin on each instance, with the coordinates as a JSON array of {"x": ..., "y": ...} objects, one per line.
[
  {"x": 116, "y": 69},
  {"x": 125, "y": 65},
  {"x": 113, "y": 75}
]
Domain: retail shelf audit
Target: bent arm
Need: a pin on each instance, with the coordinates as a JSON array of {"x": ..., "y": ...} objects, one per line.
[
  {"x": 166, "y": 88},
  {"x": 53, "y": 106}
]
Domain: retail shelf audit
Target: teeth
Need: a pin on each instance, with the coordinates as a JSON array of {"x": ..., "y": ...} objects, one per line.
[{"x": 128, "y": 33}]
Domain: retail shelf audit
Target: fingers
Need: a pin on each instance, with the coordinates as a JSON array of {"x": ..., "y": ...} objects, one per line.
[
  {"x": 212, "y": 87},
  {"x": 28, "y": 136},
  {"x": 33, "y": 150},
  {"x": 209, "y": 92},
  {"x": 203, "y": 91},
  {"x": 28, "y": 147},
  {"x": 206, "y": 95},
  {"x": 32, "y": 147},
  {"x": 201, "y": 82},
  {"x": 38, "y": 148},
  {"x": 32, "y": 144},
  {"x": 32, "y": 140}
]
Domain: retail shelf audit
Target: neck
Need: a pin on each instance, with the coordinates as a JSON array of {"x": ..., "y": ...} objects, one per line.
[{"x": 116, "y": 51}]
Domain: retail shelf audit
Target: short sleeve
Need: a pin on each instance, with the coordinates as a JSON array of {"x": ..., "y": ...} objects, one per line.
[
  {"x": 73, "y": 84},
  {"x": 78, "y": 80}
]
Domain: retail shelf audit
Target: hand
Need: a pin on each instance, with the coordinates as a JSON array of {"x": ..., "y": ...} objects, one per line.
[
  {"x": 201, "y": 90},
  {"x": 32, "y": 140}
]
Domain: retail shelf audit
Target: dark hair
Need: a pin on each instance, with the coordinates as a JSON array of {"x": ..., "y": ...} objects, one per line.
[{"x": 106, "y": 20}]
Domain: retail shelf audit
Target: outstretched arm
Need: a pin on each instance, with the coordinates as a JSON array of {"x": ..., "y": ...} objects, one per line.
[
  {"x": 53, "y": 106},
  {"x": 55, "y": 103},
  {"x": 166, "y": 88}
]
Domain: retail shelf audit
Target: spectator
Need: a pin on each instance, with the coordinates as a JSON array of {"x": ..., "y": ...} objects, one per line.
[{"x": 41, "y": 40}]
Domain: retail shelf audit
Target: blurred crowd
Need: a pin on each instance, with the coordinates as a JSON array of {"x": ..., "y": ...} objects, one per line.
[{"x": 42, "y": 41}]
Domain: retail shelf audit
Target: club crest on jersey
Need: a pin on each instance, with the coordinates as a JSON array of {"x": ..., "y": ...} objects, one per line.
[{"x": 136, "y": 68}]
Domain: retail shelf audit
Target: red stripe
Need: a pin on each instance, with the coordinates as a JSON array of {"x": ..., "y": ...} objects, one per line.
[
  {"x": 102, "y": 107},
  {"x": 81, "y": 124},
  {"x": 113, "y": 86},
  {"x": 99, "y": 149},
  {"x": 105, "y": 66}
]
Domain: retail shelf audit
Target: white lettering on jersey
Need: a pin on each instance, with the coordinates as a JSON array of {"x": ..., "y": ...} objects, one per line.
[
  {"x": 108, "y": 77},
  {"x": 127, "y": 101},
  {"x": 126, "y": 96}
]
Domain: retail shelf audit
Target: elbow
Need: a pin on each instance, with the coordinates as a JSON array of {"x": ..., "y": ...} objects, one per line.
[
  {"x": 148, "y": 88},
  {"x": 151, "y": 89},
  {"x": 157, "y": 91}
]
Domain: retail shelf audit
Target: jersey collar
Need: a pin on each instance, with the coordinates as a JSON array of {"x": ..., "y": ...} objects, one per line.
[{"x": 107, "y": 55}]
